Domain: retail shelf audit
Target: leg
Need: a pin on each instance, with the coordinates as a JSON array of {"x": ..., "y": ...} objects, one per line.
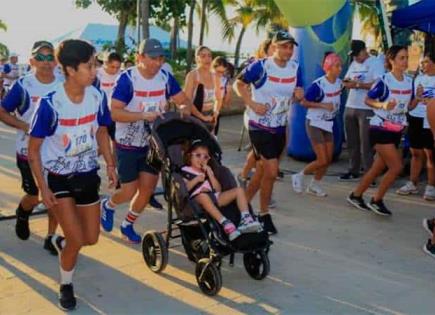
[
  {"x": 270, "y": 172},
  {"x": 416, "y": 164},
  {"x": 89, "y": 217},
  {"x": 255, "y": 182},
  {"x": 147, "y": 184},
  {"x": 207, "y": 204},
  {"x": 353, "y": 130},
  {"x": 393, "y": 160},
  {"x": 366, "y": 150},
  {"x": 329, "y": 152},
  {"x": 126, "y": 193},
  {"x": 249, "y": 164},
  {"x": 430, "y": 167},
  {"x": 375, "y": 170},
  {"x": 321, "y": 160},
  {"x": 229, "y": 196},
  {"x": 52, "y": 222}
]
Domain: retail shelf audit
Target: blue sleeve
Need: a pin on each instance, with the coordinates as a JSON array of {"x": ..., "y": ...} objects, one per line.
[
  {"x": 44, "y": 121},
  {"x": 299, "y": 82},
  {"x": 97, "y": 83},
  {"x": 252, "y": 73},
  {"x": 104, "y": 118},
  {"x": 314, "y": 93},
  {"x": 378, "y": 91},
  {"x": 14, "y": 98},
  {"x": 7, "y": 68},
  {"x": 172, "y": 88},
  {"x": 123, "y": 90}
]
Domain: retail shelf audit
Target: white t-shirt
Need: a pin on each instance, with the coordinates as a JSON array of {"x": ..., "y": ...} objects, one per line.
[
  {"x": 428, "y": 83},
  {"x": 107, "y": 82},
  {"x": 366, "y": 72},
  {"x": 22, "y": 99}
]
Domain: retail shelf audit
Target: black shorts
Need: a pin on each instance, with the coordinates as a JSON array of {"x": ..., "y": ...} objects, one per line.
[
  {"x": 131, "y": 163},
  {"x": 267, "y": 145},
  {"x": 380, "y": 136},
  {"x": 82, "y": 187},
  {"x": 419, "y": 137},
  {"x": 28, "y": 183}
]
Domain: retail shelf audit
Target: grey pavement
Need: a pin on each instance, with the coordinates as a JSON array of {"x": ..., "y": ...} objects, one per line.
[{"x": 328, "y": 258}]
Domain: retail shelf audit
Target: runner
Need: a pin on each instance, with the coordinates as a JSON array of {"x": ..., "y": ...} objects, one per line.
[
  {"x": 362, "y": 73},
  {"x": 202, "y": 87},
  {"x": 390, "y": 99},
  {"x": 68, "y": 125},
  {"x": 274, "y": 83},
  {"x": 16, "y": 110},
  {"x": 11, "y": 71},
  {"x": 323, "y": 102},
  {"x": 140, "y": 97},
  {"x": 419, "y": 133}
]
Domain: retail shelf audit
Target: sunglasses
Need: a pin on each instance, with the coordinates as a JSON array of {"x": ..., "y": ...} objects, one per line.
[
  {"x": 201, "y": 156},
  {"x": 42, "y": 57}
]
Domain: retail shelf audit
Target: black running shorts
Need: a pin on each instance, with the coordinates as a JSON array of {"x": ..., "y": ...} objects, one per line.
[
  {"x": 380, "y": 136},
  {"x": 267, "y": 145},
  {"x": 419, "y": 137},
  {"x": 82, "y": 187}
]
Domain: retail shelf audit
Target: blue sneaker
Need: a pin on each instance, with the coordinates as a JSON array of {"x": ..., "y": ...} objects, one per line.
[
  {"x": 107, "y": 215},
  {"x": 129, "y": 233},
  {"x": 155, "y": 203}
]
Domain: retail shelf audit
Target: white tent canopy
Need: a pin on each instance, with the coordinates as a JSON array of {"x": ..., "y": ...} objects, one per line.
[{"x": 101, "y": 35}]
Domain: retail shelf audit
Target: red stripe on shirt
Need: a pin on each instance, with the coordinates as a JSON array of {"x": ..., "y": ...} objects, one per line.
[
  {"x": 403, "y": 92},
  {"x": 107, "y": 84},
  {"x": 76, "y": 122},
  {"x": 281, "y": 80},
  {"x": 35, "y": 99},
  {"x": 333, "y": 94},
  {"x": 149, "y": 93}
]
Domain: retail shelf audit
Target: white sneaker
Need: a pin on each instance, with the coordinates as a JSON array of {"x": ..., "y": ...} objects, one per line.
[
  {"x": 429, "y": 193},
  {"x": 316, "y": 190},
  {"x": 298, "y": 182},
  {"x": 408, "y": 189}
]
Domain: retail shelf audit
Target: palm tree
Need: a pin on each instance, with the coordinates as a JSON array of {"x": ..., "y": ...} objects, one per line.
[
  {"x": 248, "y": 12},
  {"x": 370, "y": 24},
  {"x": 3, "y": 26},
  {"x": 189, "y": 53},
  {"x": 4, "y": 51}
]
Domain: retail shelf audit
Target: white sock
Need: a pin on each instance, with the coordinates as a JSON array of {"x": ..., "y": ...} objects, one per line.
[
  {"x": 244, "y": 213},
  {"x": 66, "y": 276},
  {"x": 301, "y": 173},
  {"x": 222, "y": 220}
]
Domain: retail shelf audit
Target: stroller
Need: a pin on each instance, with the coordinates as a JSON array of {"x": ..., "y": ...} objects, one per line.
[{"x": 203, "y": 238}]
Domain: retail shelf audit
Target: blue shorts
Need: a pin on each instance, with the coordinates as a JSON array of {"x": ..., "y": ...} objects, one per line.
[{"x": 131, "y": 163}]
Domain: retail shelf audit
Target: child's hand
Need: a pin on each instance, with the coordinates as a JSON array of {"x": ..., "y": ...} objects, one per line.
[
  {"x": 200, "y": 178},
  {"x": 208, "y": 171}
]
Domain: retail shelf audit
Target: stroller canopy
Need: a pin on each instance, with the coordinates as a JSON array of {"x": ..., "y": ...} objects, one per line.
[{"x": 173, "y": 129}]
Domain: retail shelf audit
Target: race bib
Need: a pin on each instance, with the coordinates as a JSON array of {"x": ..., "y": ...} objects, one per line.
[
  {"x": 78, "y": 141},
  {"x": 150, "y": 107},
  {"x": 398, "y": 119},
  {"x": 280, "y": 105}
]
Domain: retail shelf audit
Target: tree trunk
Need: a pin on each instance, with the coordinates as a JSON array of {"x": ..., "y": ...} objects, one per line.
[
  {"x": 238, "y": 45},
  {"x": 120, "y": 39},
  {"x": 189, "y": 53},
  {"x": 145, "y": 19},
  {"x": 203, "y": 19},
  {"x": 174, "y": 38}
]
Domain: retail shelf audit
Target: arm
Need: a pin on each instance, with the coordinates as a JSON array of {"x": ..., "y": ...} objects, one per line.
[
  {"x": 12, "y": 120},
  {"x": 103, "y": 141},
  {"x": 313, "y": 98},
  {"x": 214, "y": 182},
  {"x": 34, "y": 157},
  {"x": 184, "y": 104},
  {"x": 374, "y": 103},
  {"x": 431, "y": 115},
  {"x": 193, "y": 182},
  {"x": 189, "y": 89},
  {"x": 309, "y": 104},
  {"x": 10, "y": 104},
  {"x": 242, "y": 89}
]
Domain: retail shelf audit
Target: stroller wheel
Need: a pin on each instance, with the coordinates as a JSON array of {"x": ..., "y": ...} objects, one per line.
[
  {"x": 208, "y": 276},
  {"x": 257, "y": 264},
  {"x": 154, "y": 251}
]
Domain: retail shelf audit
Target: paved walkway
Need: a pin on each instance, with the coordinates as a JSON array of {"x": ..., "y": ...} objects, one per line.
[{"x": 327, "y": 259}]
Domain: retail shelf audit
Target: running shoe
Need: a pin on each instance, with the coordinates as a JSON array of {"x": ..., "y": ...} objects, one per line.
[
  {"x": 429, "y": 193},
  {"x": 248, "y": 224},
  {"x": 154, "y": 203},
  {"x": 379, "y": 207},
  {"x": 48, "y": 245},
  {"x": 57, "y": 242},
  {"x": 408, "y": 189},
  {"x": 130, "y": 234},
  {"x": 67, "y": 300},
  {"x": 268, "y": 226},
  {"x": 349, "y": 177},
  {"x": 316, "y": 190},
  {"x": 357, "y": 202},
  {"x": 429, "y": 248},
  {"x": 107, "y": 214},
  {"x": 230, "y": 230},
  {"x": 428, "y": 225},
  {"x": 298, "y": 182},
  {"x": 22, "y": 224}
]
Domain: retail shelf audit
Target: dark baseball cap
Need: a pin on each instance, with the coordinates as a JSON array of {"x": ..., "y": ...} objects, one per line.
[
  {"x": 356, "y": 47},
  {"x": 283, "y": 37},
  {"x": 41, "y": 44},
  {"x": 152, "y": 47}
]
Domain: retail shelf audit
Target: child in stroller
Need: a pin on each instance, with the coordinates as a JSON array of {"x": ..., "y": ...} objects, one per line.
[{"x": 205, "y": 189}]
